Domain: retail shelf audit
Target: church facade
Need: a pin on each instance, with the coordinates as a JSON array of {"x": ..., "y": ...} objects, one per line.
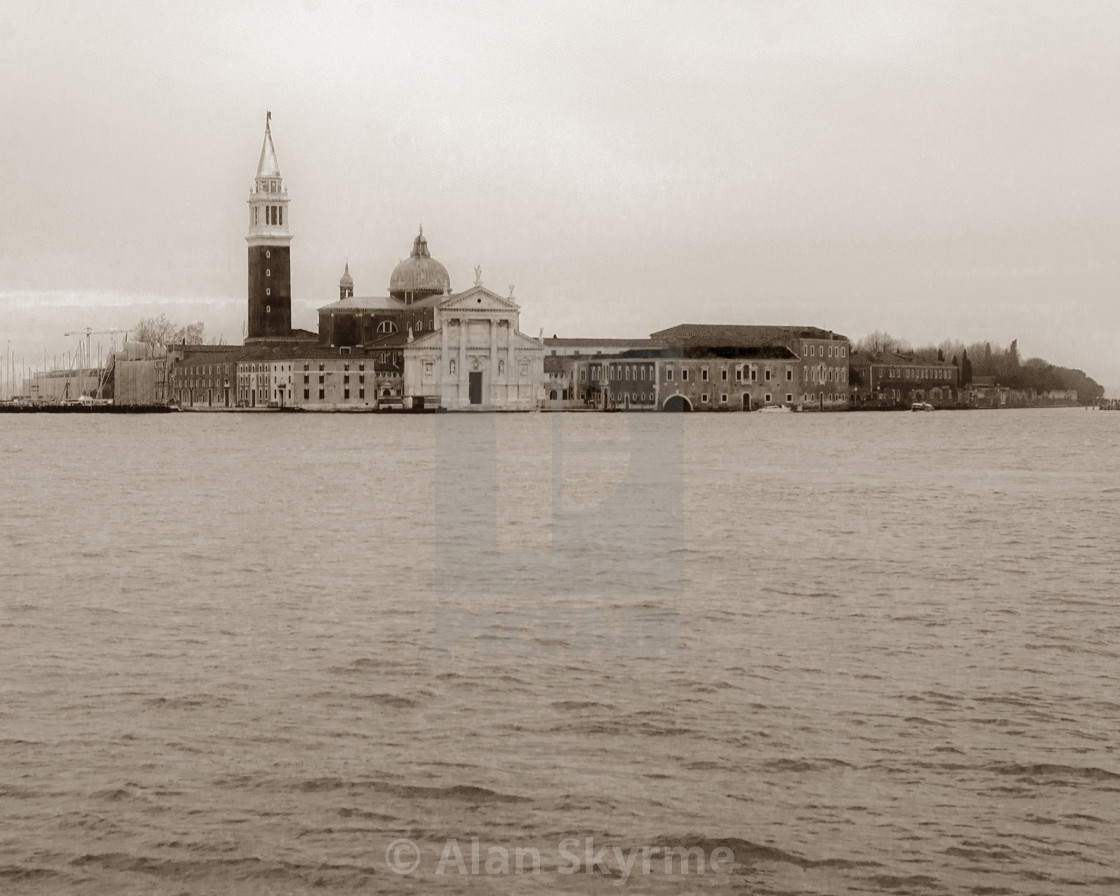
[{"x": 476, "y": 358}]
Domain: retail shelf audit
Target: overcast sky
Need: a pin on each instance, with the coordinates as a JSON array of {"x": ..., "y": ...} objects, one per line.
[{"x": 940, "y": 170}]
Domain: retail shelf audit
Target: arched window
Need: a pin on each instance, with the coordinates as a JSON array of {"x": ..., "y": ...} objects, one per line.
[{"x": 386, "y": 326}]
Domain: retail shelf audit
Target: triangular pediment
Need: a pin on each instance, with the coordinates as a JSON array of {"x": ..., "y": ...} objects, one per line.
[{"x": 478, "y": 298}]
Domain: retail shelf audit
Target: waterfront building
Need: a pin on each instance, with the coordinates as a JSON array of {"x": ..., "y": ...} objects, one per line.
[
  {"x": 893, "y": 380},
  {"x": 53, "y": 386},
  {"x": 567, "y": 368},
  {"x": 737, "y": 367},
  {"x": 713, "y": 367},
  {"x": 203, "y": 375},
  {"x": 476, "y": 358},
  {"x": 140, "y": 375}
]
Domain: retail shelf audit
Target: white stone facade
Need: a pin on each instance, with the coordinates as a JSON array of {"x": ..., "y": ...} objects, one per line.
[{"x": 476, "y": 358}]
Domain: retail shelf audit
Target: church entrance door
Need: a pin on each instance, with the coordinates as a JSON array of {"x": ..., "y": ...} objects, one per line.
[{"x": 476, "y": 387}]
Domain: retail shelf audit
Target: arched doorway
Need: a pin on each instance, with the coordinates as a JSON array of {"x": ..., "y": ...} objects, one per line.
[
  {"x": 746, "y": 401},
  {"x": 678, "y": 403}
]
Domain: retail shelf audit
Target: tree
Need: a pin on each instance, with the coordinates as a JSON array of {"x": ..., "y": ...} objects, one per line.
[
  {"x": 940, "y": 355},
  {"x": 161, "y": 331},
  {"x": 878, "y": 342},
  {"x": 966, "y": 369}
]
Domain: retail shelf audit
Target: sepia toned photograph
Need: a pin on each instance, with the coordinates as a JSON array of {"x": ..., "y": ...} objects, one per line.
[{"x": 560, "y": 447}]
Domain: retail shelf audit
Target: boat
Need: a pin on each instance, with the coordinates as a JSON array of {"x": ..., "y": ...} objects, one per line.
[
  {"x": 775, "y": 409},
  {"x": 921, "y": 406}
]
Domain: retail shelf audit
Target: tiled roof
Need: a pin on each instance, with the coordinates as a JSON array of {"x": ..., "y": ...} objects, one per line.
[
  {"x": 379, "y": 303},
  {"x": 759, "y": 352},
  {"x": 556, "y": 342},
  {"x": 363, "y": 303},
  {"x": 741, "y": 334}
]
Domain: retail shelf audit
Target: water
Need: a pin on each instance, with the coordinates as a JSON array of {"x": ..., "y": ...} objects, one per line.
[{"x": 862, "y": 653}]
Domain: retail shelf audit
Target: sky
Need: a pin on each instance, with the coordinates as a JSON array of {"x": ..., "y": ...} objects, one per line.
[{"x": 934, "y": 170}]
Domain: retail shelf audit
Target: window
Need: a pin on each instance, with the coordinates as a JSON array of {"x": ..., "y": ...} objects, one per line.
[
  {"x": 723, "y": 398},
  {"x": 704, "y": 374},
  {"x": 767, "y": 397},
  {"x": 668, "y": 373},
  {"x": 386, "y": 326},
  {"x": 268, "y": 253},
  {"x": 267, "y": 291},
  {"x": 754, "y": 374},
  {"x": 320, "y": 395},
  {"x": 738, "y": 374},
  {"x": 704, "y": 398},
  {"x": 789, "y": 397},
  {"x": 361, "y": 393},
  {"x": 789, "y": 374},
  {"x": 830, "y": 351},
  {"x": 346, "y": 393},
  {"x": 362, "y": 377},
  {"x": 723, "y": 374},
  {"x": 346, "y": 367},
  {"x": 684, "y": 374},
  {"x": 346, "y": 379},
  {"x": 306, "y": 379},
  {"x": 267, "y": 272},
  {"x": 767, "y": 374},
  {"x": 582, "y": 375}
]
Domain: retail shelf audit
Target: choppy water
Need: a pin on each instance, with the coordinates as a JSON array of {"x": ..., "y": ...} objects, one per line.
[{"x": 871, "y": 653}]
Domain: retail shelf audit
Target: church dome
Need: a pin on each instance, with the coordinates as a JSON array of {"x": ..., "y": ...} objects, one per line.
[{"x": 419, "y": 275}]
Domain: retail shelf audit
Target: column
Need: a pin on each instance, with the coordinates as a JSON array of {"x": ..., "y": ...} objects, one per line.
[
  {"x": 493, "y": 360},
  {"x": 464, "y": 393},
  {"x": 512, "y": 368},
  {"x": 444, "y": 359}
]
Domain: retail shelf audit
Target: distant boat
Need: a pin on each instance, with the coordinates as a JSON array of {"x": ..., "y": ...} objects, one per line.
[
  {"x": 921, "y": 406},
  {"x": 778, "y": 409}
]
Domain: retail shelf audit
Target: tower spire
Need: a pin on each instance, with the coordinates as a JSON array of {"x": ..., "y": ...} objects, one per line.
[{"x": 268, "y": 166}]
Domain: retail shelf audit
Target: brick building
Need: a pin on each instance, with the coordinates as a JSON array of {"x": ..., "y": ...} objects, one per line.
[{"x": 892, "y": 380}]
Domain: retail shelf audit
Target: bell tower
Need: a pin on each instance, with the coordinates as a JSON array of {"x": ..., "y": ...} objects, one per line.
[{"x": 269, "y": 238}]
